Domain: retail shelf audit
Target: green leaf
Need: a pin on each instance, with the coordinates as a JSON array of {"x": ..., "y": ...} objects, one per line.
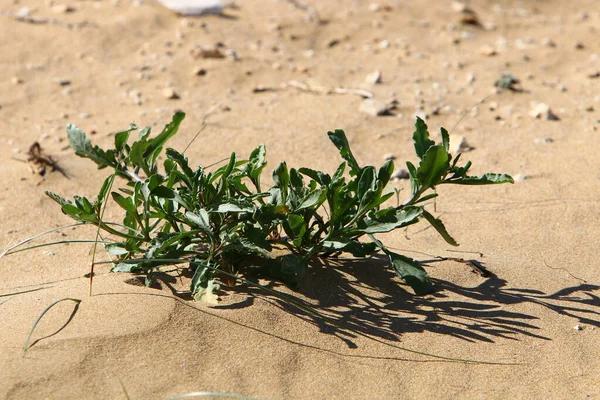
[
  {"x": 313, "y": 200},
  {"x": 281, "y": 177},
  {"x": 56, "y": 197},
  {"x": 182, "y": 161},
  {"x": 439, "y": 226},
  {"x": 445, "y": 139},
  {"x": 230, "y": 207},
  {"x": 202, "y": 274},
  {"x": 126, "y": 267},
  {"x": 207, "y": 294},
  {"x": 168, "y": 131},
  {"x": 200, "y": 218},
  {"x": 421, "y": 138},
  {"x": 485, "y": 179},
  {"x": 356, "y": 248},
  {"x": 387, "y": 222},
  {"x": 338, "y": 137},
  {"x": 292, "y": 269},
  {"x": 256, "y": 162},
  {"x": 104, "y": 190},
  {"x": 144, "y": 133},
  {"x": 116, "y": 249},
  {"x": 411, "y": 272},
  {"x": 295, "y": 228},
  {"x": 321, "y": 178},
  {"x": 366, "y": 182},
  {"x": 433, "y": 167},
  {"x": 385, "y": 172},
  {"x": 126, "y": 203},
  {"x": 80, "y": 142},
  {"x": 296, "y": 179},
  {"x": 122, "y": 137}
]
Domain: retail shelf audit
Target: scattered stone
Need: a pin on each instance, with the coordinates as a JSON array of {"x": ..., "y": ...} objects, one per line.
[
  {"x": 15, "y": 80},
  {"x": 62, "y": 8},
  {"x": 578, "y": 327},
  {"x": 594, "y": 75},
  {"x": 459, "y": 144},
  {"x": 197, "y": 7},
  {"x": 170, "y": 93},
  {"x": 590, "y": 108},
  {"x": 487, "y": 51},
  {"x": 384, "y": 44},
  {"x": 389, "y": 156},
  {"x": 374, "y": 7},
  {"x": 209, "y": 52},
  {"x": 470, "y": 78},
  {"x": 374, "y": 77},
  {"x": 521, "y": 177},
  {"x": 547, "y": 42},
  {"x": 199, "y": 71},
  {"x": 62, "y": 81},
  {"x": 84, "y": 115},
  {"x": 489, "y": 26},
  {"x": 23, "y": 13},
  {"x": 493, "y": 106},
  {"x": 261, "y": 89},
  {"x": 583, "y": 16},
  {"x": 508, "y": 81},
  {"x": 400, "y": 174},
  {"x": 135, "y": 96},
  {"x": 543, "y": 111},
  {"x": 332, "y": 43},
  {"x": 374, "y": 107},
  {"x": 310, "y": 53},
  {"x": 578, "y": 46},
  {"x": 466, "y": 35},
  {"x": 546, "y": 140}
]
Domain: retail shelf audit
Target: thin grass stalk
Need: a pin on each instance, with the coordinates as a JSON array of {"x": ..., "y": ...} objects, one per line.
[{"x": 39, "y": 318}]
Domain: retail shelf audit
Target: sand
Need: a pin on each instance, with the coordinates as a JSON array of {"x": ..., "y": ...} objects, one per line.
[{"x": 538, "y": 311}]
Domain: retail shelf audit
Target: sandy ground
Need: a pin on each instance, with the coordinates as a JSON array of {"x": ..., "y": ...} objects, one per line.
[{"x": 104, "y": 64}]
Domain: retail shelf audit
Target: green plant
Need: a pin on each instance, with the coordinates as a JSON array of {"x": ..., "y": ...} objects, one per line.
[{"x": 223, "y": 224}]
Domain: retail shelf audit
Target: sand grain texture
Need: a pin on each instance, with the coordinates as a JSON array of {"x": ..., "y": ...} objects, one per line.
[{"x": 538, "y": 237}]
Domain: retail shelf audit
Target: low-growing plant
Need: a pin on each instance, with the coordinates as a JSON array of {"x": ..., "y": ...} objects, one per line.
[{"x": 224, "y": 224}]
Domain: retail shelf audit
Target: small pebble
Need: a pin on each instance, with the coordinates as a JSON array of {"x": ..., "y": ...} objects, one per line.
[
  {"x": 374, "y": 107},
  {"x": 488, "y": 51},
  {"x": 374, "y": 77},
  {"x": 62, "y": 81},
  {"x": 62, "y": 9},
  {"x": 23, "y": 12},
  {"x": 384, "y": 44},
  {"x": 170, "y": 93},
  {"x": 543, "y": 111},
  {"x": 400, "y": 174},
  {"x": 545, "y": 140},
  {"x": 199, "y": 71},
  {"x": 459, "y": 144},
  {"x": 578, "y": 327},
  {"x": 389, "y": 156},
  {"x": 521, "y": 177},
  {"x": 548, "y": 42},
  {"x": 15, "y": 80},
  {"x": 84, "y": 115}
]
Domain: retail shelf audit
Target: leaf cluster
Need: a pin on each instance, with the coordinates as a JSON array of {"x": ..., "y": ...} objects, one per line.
[{"x": 222, "y": 222}]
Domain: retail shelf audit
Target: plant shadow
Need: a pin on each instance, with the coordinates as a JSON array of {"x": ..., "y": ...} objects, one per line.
[{"x": 365, "y": 296}]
